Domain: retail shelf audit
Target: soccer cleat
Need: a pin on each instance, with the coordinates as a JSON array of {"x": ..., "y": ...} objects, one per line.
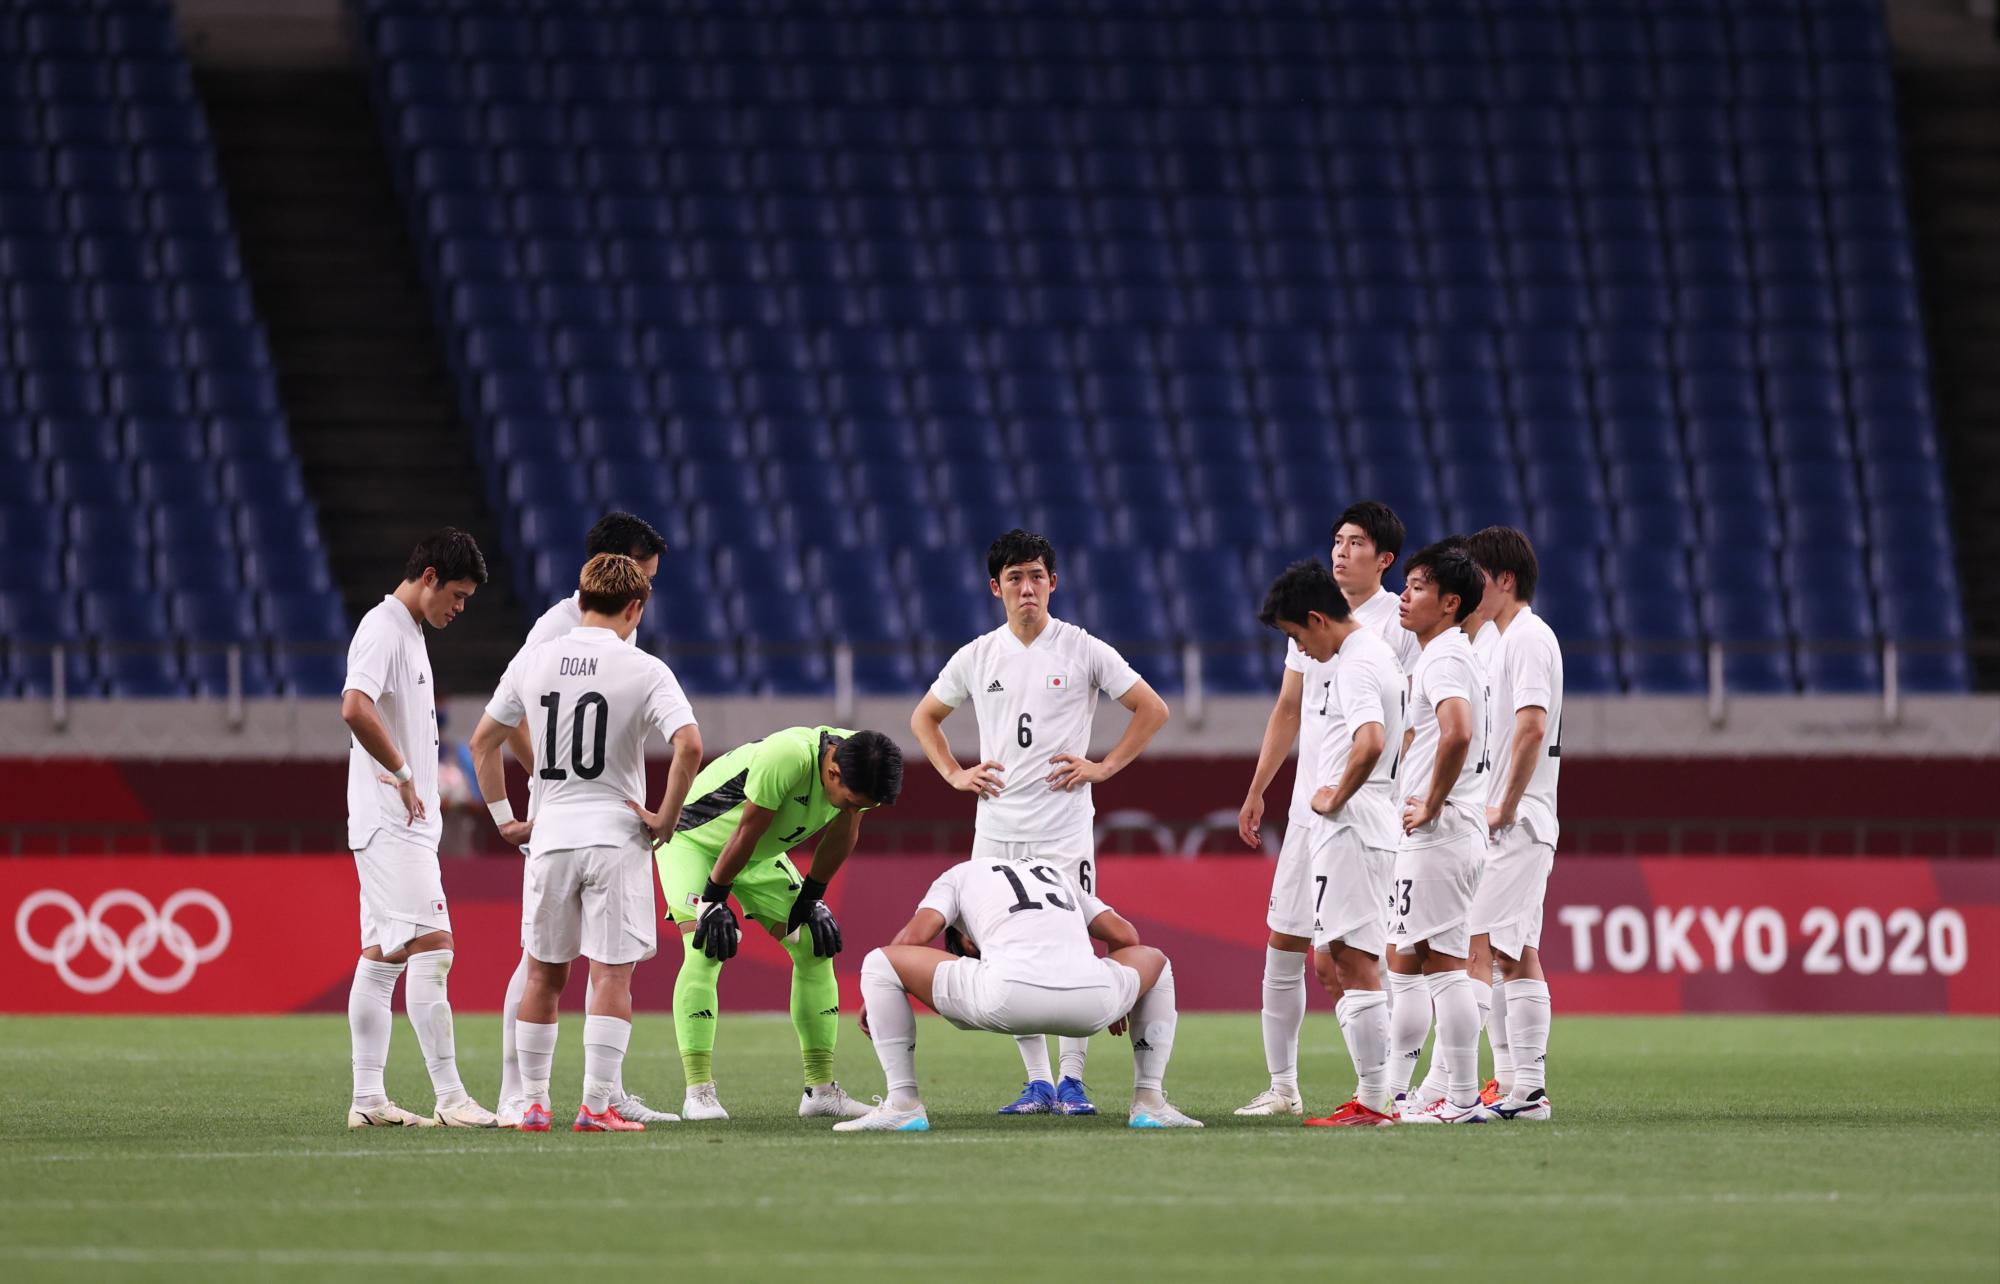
[
  {"x": 1353, "y": 1115},
  {"x": 510, "y": 1112},
  {"x": 1072, "y": 1099},
  {"x": 1443, "y": 1112},
  {"x": 1536, "y": 1109},
  {"x": 608, "y": 1120},
  {"x": 1273, "y": 1101},
  {"x": 700, "y": 1104},
  {"x": 386, "y": 1115},
  {"x": 884, "y": 1118},
  {"x": 633, "y": 1109},
  {"x": 1490, "y": 1093},
  {"x": 1161, "y": 1116},
  {"x": 1413, "y": 1104},
  {"x": 535, "y": 1118},
  {"x": 465, "y": 1113},
  {"x": 830, "y": 1101},
  {"x": 1037, "y": 1098}
]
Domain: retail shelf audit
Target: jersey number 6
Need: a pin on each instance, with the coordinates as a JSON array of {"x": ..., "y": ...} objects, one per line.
[{"x": 1024, "y": 731}]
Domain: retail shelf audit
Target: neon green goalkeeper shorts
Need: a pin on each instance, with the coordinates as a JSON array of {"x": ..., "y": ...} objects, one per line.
[{"x": 765, "y": 889}]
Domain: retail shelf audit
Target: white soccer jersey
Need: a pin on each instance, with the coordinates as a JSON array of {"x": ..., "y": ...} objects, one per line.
[
  {"x": 388, "y": 662},
  {"x": 1527, "y": 672},
  {"x": 1033, "y": 702},
  {"x": 1447, "y": 671},
  {"x": 1367, "y": 686},
  {"x": 1383, "y": 613},
  {"x": 1028, "y": 922},
  {"x": 1308, "y": 776},
  {"x": 592, "y": 701},
  {"x": 559, "y": 619}
]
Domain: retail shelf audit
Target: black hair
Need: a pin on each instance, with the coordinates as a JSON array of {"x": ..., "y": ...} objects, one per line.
[
  {"x": 1378, "y": 521},
  {"x": 1302, "y": 588},
  {"x": 1452, "y": 569},
  {"x": 1014, "y": 548},
  {"x": 871, "y": 765},
  {"x": 451, "y": 552},
  {"x": 1502, "y": 548},
  {"x": 624, "y": 534}
]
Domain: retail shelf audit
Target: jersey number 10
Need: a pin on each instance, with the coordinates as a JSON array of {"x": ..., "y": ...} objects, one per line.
[{"x": 591, "y": 770}]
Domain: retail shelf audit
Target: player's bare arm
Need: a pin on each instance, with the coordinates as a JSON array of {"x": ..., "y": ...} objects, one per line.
[
  {"x": 1369, "y": 742},
  {"x": 1114, "y": 930},
  {"x": 1454, "y": 743},
  {"x": 809, "y": 910},
  {"x": 487, "y": 739},
  {"x": 922, "y": 928},
  {"x": 1281, "y": 731},
  {"x": 523, "y": 747},
  {"x": 358, "y": 711},
  {"x": 1531, "y": 727},
  {"x": 927, "y": 725},
  {"x": 1149, "y": 714},
  {"x": 660, "y": 822}
]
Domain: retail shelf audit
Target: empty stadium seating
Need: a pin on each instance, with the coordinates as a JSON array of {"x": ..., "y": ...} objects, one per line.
[
  {"x": 836, "y": 294},
  {"x": 142, "y": 453}
]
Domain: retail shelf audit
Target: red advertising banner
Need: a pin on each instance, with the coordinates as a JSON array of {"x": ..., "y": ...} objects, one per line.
[{"x": 1771, "y": 934}]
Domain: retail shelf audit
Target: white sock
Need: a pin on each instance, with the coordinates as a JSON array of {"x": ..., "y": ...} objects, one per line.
[
  {"x": 1458, "y": 1034},
  {"x": 1070, "y": 1054},
  {"x": 1364, "y": 1024},
  {"x": 535, "y": 1044},
  {"x": 1284, "y": 1012},
  {"x": 1034, "y": 1055},
  {"x": 1154, "y": 1018},
  {"x": 605, "y": 1039},
  {"x": 369, "y": 1021},
  {"x": 1496, "y": 1034},
  {"x": 430, "y": 1012},
  {"x": 618, "y": 1092},
  {"x": 894, "y": 1029},
  {"x": 510, "y": 1008},
  {"x": 1528, "y": 1032},
  {"x": 1409, "y": 1026},
  {"x": 1482, "y": 999}
]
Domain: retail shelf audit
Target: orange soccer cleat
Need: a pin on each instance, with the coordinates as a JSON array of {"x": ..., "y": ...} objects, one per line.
[
  {"x": 1353, "y": 1115},
  {"x": 608, "y": 1121},
  {"x": 1491, "y": 1095}
]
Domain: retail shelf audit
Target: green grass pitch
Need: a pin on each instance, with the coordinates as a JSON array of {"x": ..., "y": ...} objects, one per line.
[{"x": 1754, "y": 1149}]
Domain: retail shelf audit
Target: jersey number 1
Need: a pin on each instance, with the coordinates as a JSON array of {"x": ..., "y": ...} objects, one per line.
[{"x": 591, "y": 770}]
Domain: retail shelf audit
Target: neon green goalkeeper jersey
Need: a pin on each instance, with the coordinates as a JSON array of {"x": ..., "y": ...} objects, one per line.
[{"x": 780, "y": 773}]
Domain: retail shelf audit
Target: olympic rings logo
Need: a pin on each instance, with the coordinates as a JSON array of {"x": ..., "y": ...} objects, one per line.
[{"x": 155, "y": 931}]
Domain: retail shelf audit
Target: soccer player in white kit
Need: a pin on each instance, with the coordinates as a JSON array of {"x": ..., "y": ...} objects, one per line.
[
  {"x": 1027, "y": 968},
  {"x": 1525, "y": 679},
  {"x": 587, "y": 888},
  {"x": 1034, "y": 684},
  {"x": 1442, "y": 782},
  {"x": 389, "y": 704},
  {"x": 1356, "y": 715},
  {"x": 1367, "y": 538},
  {"x": 615, "y": 532}
]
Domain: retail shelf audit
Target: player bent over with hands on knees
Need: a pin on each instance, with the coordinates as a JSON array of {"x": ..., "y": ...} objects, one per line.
[
  {"x": 587, "y": 887},
  {"x": 1355, "y": 710},
  {"x": 1027, "y": 967},
  {"x": 747, "y": 809},
  {"x": 389, "y": 703}
]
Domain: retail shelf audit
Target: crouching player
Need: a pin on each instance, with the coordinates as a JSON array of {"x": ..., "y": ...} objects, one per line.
[{"x": 1028, "y": 969}]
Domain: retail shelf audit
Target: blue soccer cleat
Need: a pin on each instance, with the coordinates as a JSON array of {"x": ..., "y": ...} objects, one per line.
[
  {"x": 1037, "y": 1098},
  {"x": 1071, "y": 1099}
]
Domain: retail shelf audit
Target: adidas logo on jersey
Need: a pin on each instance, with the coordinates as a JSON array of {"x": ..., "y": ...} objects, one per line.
[
  {"x": 803, "y": 799},
  {"x": 995, "y": 687},
  {"x": 422, "y": 679},
  {"x": 706, "y": 1014}
]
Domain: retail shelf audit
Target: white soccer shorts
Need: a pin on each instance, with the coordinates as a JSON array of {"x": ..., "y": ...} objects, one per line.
[
  {"x": 591, "y": 901},
  {"x": 1512, "y": 889},
  {"x": 402, "y": 894},
  {"x": 1431, "y": 887},
  {"x": 1294, "y": 895},
  {"x": 968, "y": 993},
  {"x": 1352, "y": 882},
  {"x": 1073, "y": 855}
]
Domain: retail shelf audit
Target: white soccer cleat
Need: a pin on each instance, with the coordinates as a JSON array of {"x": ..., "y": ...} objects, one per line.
[
  {"x": 1413, "y": 1104},
  {"x": 1537, "y": 1109},
  {"x": 386, "y": 1115},
  {"x": 1443, "y": 1112},
  {"x": 884, "y": 1118},
  {"x": 1274, "y": 1101},
  {"x": 700, "y": 1103},
  {"x": 465, "y": 1113},
  {"x": 1162, "y": 1115},
  {"x": 830, "y": 1101},
  {"x": 511, "y": 1111},
  {"x": 633, "y": 1109}
]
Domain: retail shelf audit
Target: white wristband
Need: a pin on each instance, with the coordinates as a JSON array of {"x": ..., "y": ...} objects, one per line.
[
  {"x": 403, "y": 773},
  {"x": 502, "y": 811}
]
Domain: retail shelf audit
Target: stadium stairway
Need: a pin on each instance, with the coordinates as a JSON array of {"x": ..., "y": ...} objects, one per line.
[
  {"x": 1951, "y": 142},
  {"x": 360, "y": 365}
]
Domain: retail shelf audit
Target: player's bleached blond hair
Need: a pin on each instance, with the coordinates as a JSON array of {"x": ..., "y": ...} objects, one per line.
[{"x": 610, "y": 582}]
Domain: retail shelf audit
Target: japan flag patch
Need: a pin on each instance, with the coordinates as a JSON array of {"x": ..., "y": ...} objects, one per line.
[{"x": 1058, "y": 681}]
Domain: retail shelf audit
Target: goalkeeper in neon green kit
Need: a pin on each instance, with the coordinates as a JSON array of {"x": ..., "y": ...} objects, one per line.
[{"x": 744, "y": 812}]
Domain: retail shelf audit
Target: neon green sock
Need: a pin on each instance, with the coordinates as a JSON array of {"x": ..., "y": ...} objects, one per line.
[
  {"x": 695, "y": 1008},
  {"x": 815, "y": 1010}
]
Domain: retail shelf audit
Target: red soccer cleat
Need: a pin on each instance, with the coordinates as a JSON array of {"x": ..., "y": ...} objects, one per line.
[
  {"x": 609, "y": 1121},
  {"x": 535, "y": 1118},
  {"x": 1491, "y": 1095},
  {"x": 1353, "y": 1115}
]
